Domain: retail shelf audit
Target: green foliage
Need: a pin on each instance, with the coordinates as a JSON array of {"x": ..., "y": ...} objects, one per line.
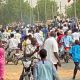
[
  {"x": 41, "y": 7},
  {"x": 70, "y": 9},
  {"x": 12, "y": 10}
]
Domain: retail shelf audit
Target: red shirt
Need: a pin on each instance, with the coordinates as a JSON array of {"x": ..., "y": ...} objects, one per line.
[{"x": 59, "y": 39}]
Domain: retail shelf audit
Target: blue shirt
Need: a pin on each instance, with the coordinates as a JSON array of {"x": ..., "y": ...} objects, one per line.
[
  {"x": 44, "y": 71},
  {"x": 22, "y": 36},
  {"x": 67, "y": 40},
  {"x": 45, "y": 31},
  {"x": 75, "y": 52}
]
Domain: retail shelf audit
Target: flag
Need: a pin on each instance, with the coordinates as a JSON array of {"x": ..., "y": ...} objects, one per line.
[{"x": 69, "y": 1}]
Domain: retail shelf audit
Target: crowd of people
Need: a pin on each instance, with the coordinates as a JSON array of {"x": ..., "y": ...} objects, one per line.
[{"x": 48, "y": 43}]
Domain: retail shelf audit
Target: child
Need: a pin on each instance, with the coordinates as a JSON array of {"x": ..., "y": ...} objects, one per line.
[
  {"x": 44, "y": 69},
  {"x": 75, "y": 53}
]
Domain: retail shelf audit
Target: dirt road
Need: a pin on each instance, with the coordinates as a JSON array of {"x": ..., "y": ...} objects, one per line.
[{"x": 65, "y": 72}]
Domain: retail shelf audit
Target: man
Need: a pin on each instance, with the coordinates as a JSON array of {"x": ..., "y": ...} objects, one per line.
[
  {"x": 2, "y": 35},
  {"x": 65, "y": 27},
  {"x": 31, "y": 48},
  {"x": 12, "y": 44},
  {"x": 59, "y": 37},
  {"x": 5, "y": 35},
  {"x": 44, "y": 69},
  {"x": 38, "y": 37},
  {"x": 55, "y": 22},
  {"x": 45, "y": 32},
  {"x": 75, "y": 54},
  {"x": 30, "y": 51},
  {"x": 18, "y": 38},
  {"x": 52, "y": 49},
  {"x": 75, "y": 35},
  {"x": 66, "y": 42}
]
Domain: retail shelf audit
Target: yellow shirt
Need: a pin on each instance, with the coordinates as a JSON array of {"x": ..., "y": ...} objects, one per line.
[
  {"x": 24, "y": 43},
  {"x": 9, "y": 31}
]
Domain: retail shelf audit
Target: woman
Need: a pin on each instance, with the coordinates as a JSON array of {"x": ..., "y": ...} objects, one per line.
[
  {"x": 2, "y": 61},
  {"x": 75, "y": 53}
]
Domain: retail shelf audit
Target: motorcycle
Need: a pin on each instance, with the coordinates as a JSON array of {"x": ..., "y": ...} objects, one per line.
[
  {"x": 27, "y": 72},
  {"x": 12, "y": 56},
  {"x": 66, "y": 54}
]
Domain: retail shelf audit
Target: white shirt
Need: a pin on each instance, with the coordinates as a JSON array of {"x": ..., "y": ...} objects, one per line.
[
  {"x": 65, "y": 28},
  {"x": 30, "y": 49},
  {"x": 75, "y": 36},
  {"x": 51, "y": 46},
  {"x": 27, "y": 29},
  {"x": 13, "y": 43},
  {"x": 18, "y": 37},
  {"x": 38, "y": 38},
  {"x": 6, "y": 35}
]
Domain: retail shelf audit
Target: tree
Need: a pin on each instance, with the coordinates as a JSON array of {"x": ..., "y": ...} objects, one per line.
[
  {"x": 50, "y": 9},
  {"x": 70, "y": 9},
  {"x": 14, "y": 10}
]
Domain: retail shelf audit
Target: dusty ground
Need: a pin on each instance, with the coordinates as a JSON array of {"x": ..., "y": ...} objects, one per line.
[
  {"x": 65, "y": 72},
  {"x": 13, "y": 72}
]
